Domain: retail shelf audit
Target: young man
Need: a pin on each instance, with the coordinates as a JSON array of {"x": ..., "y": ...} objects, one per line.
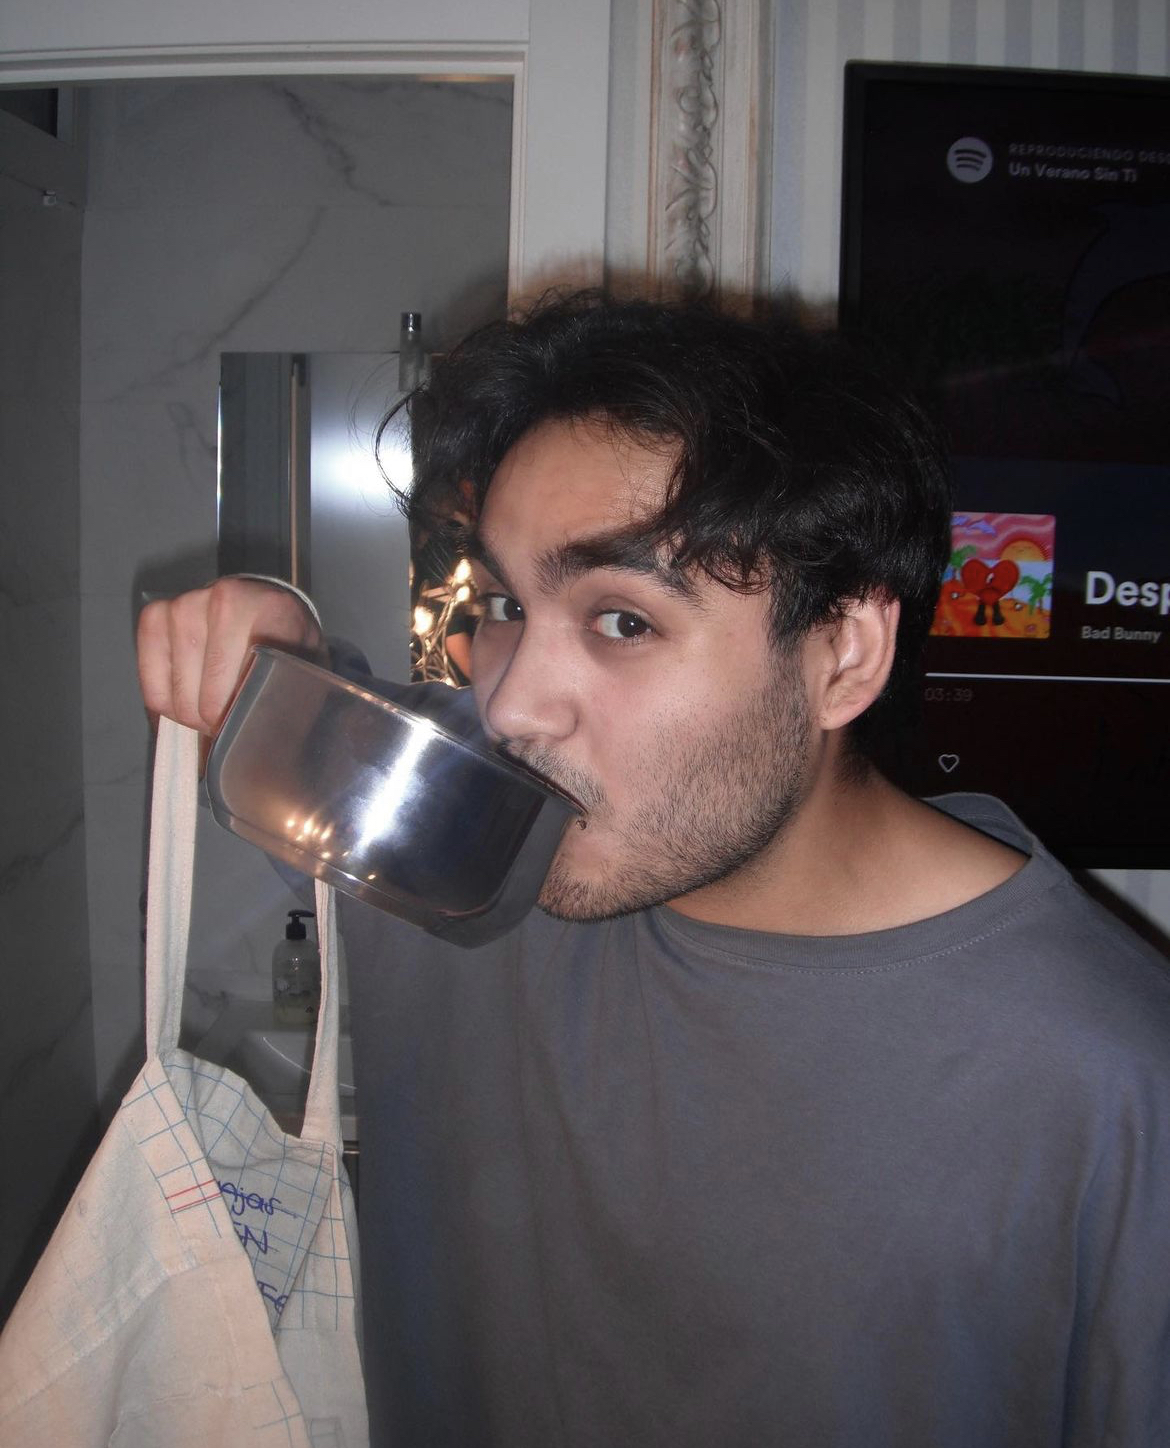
[{"x": 803, "y": 1112}]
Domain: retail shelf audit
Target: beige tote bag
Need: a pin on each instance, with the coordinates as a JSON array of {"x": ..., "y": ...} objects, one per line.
[{"x": 201, "y": 1287}]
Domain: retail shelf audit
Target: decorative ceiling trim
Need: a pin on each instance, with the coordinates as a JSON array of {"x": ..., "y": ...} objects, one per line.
[
  {"x": 710, "y": 73},
  {"x": 688, "y": 189}
]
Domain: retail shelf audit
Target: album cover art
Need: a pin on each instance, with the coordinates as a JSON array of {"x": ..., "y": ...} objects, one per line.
[{"x": 998, "y": 583}]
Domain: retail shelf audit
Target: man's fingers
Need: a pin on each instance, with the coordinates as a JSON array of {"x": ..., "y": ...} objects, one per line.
[
  {"x": 193, "y": 649},
  {"x": 154, "y": 658},
  {"x": 188, "y": 649}
]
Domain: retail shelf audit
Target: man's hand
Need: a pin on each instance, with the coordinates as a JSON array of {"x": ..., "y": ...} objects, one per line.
[{"x": 192, "y": 650}]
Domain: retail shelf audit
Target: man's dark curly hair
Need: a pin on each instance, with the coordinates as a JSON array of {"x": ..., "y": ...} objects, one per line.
[{"x": 799, "y": 468}]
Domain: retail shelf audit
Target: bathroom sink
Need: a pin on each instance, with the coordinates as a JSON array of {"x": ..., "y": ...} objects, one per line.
[
  {"x": 275, "y": 1060},
  {"x": 281, "y": 1057}
]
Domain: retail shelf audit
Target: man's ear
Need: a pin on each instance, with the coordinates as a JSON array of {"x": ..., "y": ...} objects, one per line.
[{"x": 853, "y": 660}]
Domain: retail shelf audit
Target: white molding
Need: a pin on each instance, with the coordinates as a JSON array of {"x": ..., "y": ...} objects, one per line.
[
  {"x": 55, "y": 67},
  {"x": 518, "y": 191},
  {"x": 745, "y": 148},
  {"x": 706, "y": 230},
  {"x": 561, "y": 197}
]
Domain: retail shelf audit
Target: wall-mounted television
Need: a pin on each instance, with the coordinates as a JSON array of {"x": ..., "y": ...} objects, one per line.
[{"x": 1006, "y": 237}]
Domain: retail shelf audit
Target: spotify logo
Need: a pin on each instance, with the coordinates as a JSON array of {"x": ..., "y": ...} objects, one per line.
[{"x": 969, "y": 159}]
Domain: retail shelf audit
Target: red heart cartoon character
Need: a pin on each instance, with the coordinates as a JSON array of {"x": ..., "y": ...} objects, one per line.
[{"x": 989, "y": 584}]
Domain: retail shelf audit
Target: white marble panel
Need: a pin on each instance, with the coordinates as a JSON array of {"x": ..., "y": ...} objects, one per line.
[
  {"x": 303, "y": 278},
  {"x": 40, "y": 361},
  {"x": 281, "y": 215},
  {"x": 46, "y": 1041},
  {"x": 356, "y": 144},
  {"x": 150, "y": 497},
  {"x": 40, "y": 742},
  {"x": 38, "y": 469},
  {"x": 355, "y": 275},
  {"x": 46, "y": 1034}
]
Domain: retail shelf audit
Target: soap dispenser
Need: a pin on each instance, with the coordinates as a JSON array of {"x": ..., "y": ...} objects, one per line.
[{"x": 296, "y": 974}]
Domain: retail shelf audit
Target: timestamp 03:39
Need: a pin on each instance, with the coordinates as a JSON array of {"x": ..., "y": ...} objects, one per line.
[{"x": 948, "y": 694}]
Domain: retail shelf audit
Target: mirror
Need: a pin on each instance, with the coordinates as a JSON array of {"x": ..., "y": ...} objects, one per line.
[
  {"x": 308, "y": 468},
  {"x": 304, "y": 490}
]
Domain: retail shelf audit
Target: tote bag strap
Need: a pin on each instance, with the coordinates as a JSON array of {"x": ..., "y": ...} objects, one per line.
[
  {"x": 322, "y": 1105},
  {"x": 170, "y": 869},
  {"x": 174, "y": 809}
]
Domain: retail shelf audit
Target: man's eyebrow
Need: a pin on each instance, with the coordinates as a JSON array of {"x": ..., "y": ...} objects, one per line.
[
  {"x": 624, "y": 549},
  {"x": 621, "y": 549}
]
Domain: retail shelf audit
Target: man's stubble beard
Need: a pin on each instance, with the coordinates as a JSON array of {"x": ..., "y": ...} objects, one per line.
[{"x": 720, "y": 799}]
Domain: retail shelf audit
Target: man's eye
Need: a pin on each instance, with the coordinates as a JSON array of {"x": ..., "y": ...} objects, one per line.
[
  {"x": 619, "y": 624},
  {"x": 499, "y": 608}
]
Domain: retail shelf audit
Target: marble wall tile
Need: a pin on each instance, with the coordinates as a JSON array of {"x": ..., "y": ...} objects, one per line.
[
  {"x": 39, "y": 539},
  {"x": 349, "y": 143},
  {"x": 308, "y": 278},
  {"x": 38, "y": 359},
  {"x": 47, "y": 1104},
  {"x": 47, "y": 1095},
  {"x": 281, "y": 215}
]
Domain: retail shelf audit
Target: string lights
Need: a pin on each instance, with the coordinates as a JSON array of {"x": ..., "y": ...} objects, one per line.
[{"x": 433, "y": 615}]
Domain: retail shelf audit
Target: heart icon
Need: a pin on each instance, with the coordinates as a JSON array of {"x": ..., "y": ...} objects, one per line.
[
  {"x": 989, "y": 584},
  {"x": 948, "y": 762}
]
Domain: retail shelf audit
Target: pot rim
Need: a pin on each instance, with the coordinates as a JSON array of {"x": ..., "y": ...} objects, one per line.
[{"x": 515, "y": 768}]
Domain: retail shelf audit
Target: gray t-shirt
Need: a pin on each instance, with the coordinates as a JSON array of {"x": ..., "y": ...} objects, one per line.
[{"x": 657, "y": 1182}]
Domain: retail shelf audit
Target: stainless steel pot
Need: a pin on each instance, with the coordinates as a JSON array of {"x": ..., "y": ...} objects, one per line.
[{"x": 383, "y": 802}]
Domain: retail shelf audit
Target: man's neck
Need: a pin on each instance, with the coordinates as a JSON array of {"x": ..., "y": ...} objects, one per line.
[{"x": 860, "y": 855}]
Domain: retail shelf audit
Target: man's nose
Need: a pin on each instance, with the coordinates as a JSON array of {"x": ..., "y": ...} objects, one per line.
[{"x": 527, "y": 695}]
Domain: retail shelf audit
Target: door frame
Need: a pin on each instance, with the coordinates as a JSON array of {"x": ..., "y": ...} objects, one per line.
[{"x": 560, "y": 75}]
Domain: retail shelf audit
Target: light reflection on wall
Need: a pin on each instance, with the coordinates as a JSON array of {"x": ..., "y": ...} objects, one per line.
[{"x": 360, "y": 547}]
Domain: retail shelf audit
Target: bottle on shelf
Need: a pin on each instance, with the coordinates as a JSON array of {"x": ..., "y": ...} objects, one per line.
[
  {"x": 411, "y": 362},
  {"x": 296, "y": 974}
]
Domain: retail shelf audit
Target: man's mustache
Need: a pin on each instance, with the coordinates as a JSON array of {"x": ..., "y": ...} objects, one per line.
[{"x": 555, "y": 771}]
